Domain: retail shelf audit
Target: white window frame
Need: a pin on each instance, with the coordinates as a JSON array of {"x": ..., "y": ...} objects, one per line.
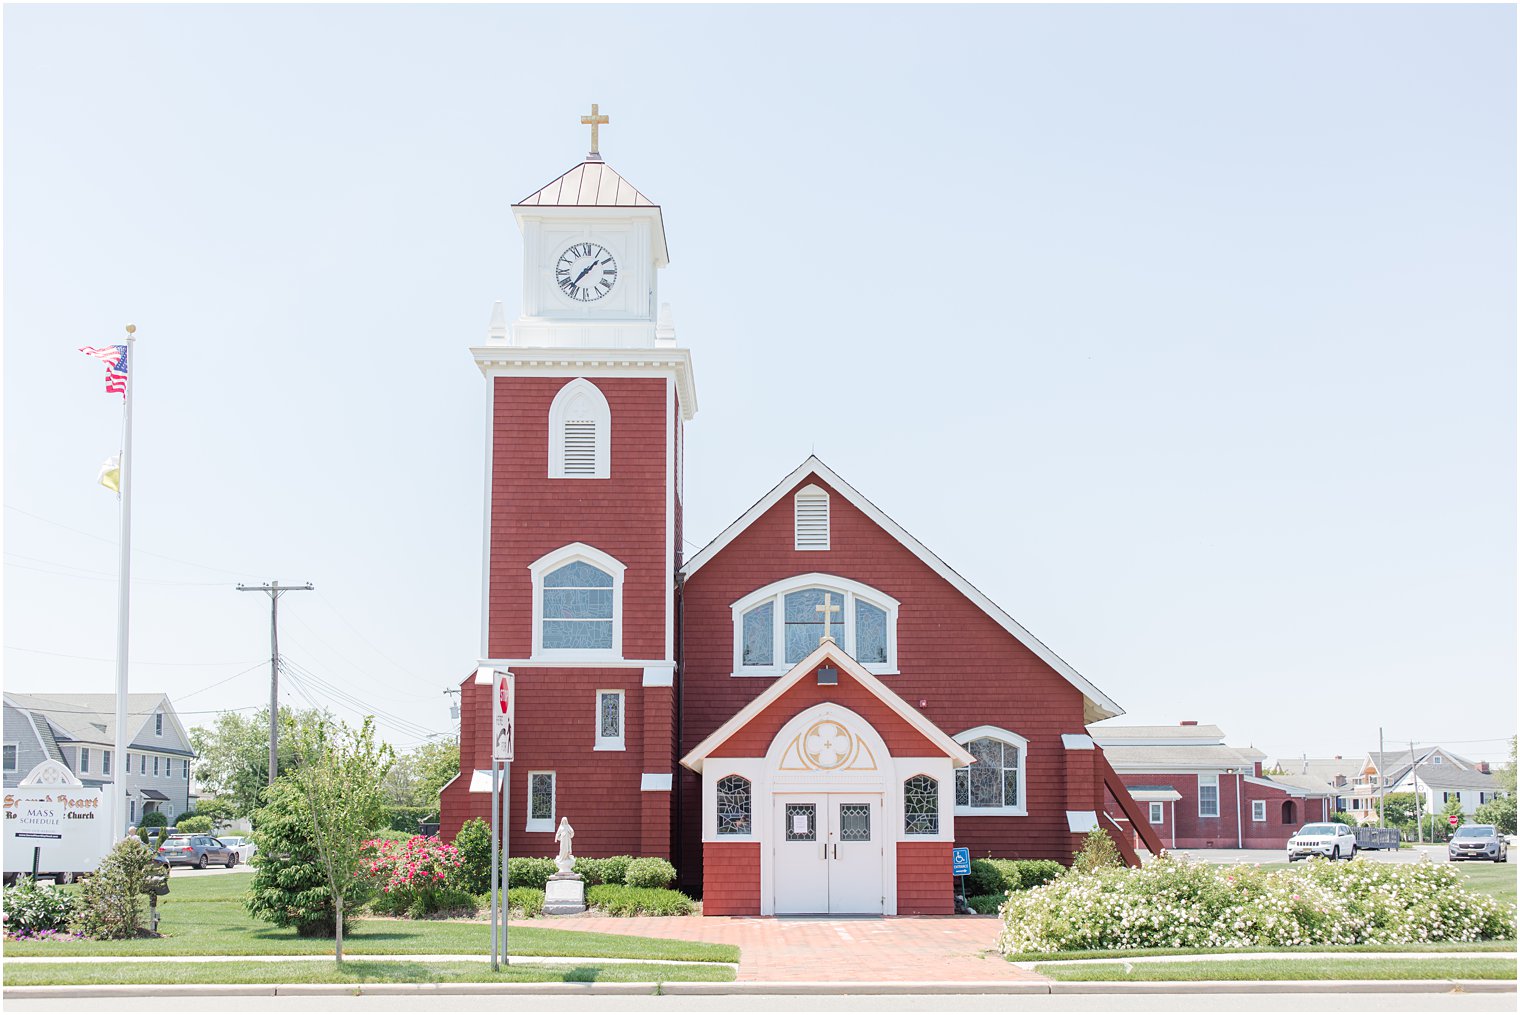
[
  {"x": 580, "y": 394},
  {"x": 1435, "y": 759},
  {"x": 14, "y": 749},
  {"x": 158, "y": 724},
  {"x": 1258, "y": 810},
  {"x": 184, "y": 769},
  {"x": 1158, "y": 812},
  {"x": 1211, "y": 779},
  {"x": 155, "y": 766},
  {"x": 619, "y": 742},
  {"x": 778, "y": 590},
  {"x": 556, "y": 559},
  {"x": 814, "y": 494},
  {"x": 84, "y": 760},
  {"x": 542, "y": 824},
  {"x": 105, "y": 762},
  {"x": 1008, "y": 737}
]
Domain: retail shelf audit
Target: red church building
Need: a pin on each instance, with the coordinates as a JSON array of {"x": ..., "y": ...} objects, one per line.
[{"x": 804, "y": 717}]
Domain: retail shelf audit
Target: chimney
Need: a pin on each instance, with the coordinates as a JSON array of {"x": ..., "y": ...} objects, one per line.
[
  {"x": 1188, "y": 722},
  {"x": 1337, "y": 757},
  {"x": 1483, "y": 767}
]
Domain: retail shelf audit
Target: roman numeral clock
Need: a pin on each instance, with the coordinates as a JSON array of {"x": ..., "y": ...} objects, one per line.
[{"x": 586, "y": 272}]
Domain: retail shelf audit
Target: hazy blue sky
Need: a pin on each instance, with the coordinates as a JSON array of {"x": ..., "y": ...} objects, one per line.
[{"x": 1186, "y": 333}]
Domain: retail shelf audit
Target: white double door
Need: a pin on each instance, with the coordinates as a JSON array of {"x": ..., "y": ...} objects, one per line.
[{"x": 829, "y": 850}]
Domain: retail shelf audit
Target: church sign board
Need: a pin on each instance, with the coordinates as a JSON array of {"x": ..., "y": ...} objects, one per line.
[{"x": 69, "y": 823}]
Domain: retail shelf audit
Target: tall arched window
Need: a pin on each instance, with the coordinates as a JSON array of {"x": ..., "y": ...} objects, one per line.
[
  {"x": 580, "y": 433},
  {"x": 778, "y": 625},
  {"x": 994, "y": 782},
  {"x": 577, "y": 604},
  {"x": 735, "y": 806}
]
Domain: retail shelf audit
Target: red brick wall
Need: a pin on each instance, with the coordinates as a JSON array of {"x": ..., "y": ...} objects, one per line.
[
  {"x": 955, "y": 658},
  {"x": 731, "y": 878},
  {"x": 1194, "y": 832},
  {"x": 925, "y": 886},
  {"x": 623, "y": 516}
]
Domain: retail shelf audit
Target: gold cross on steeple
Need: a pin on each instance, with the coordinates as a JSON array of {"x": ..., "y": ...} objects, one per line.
[
  {"x": 826, "y": 607},
  {"x": 594, "y": 121}
]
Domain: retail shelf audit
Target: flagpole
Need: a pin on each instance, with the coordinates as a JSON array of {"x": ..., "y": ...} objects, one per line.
[{"x": 124, "y": 591}]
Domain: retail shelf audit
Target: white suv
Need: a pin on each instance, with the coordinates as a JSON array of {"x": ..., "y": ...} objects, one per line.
[{"x": 1335, "y": 842}]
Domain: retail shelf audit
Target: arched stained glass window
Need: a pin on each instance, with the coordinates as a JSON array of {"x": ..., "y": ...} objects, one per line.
[
  {"x": 992, "y": 780},
  {"x": 921, "y": 806},
  {"x": 734, "y": 806},
  {"x": 577, "y": 607}
]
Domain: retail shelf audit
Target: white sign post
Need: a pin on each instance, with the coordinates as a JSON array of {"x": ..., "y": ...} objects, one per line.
[{"x": 503, "y": 746}]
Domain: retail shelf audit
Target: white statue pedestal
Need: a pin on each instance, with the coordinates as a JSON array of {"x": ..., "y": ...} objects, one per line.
[{"x": 565, "y": 895}]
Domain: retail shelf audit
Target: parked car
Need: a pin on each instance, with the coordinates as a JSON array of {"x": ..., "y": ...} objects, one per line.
[
  {"x": 1335, "y": 842},
  {"x": 1477, "y": 842},
  {"x": 197, "y": 851},
  {"x": 244, "y": 846}
]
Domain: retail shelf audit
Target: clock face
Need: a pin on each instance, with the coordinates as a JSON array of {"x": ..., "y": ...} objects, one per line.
[{"x": 586, "y": 272}]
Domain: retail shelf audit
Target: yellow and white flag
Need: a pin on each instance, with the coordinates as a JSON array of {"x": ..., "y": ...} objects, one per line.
[{"x": 110, "y": 473}]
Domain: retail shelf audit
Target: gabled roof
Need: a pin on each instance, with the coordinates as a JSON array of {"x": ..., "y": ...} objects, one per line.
[
  {"x": 1152, "y": 735},
  {"x": 591, "y": 184},
  {"x": 1164, "y": 759},
  {"x": 1297, "y": 785},
  {"x": 825, "y": 652},
  {"x": 1097, "y": 704},
  {"x": 91, "y": 718}
]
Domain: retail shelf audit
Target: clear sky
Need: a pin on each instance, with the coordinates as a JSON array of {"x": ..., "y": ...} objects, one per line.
[{"x": 1186, "y": 333}]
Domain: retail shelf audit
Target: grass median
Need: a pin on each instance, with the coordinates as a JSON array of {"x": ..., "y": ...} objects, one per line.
[
  {"x": 205, "y": 916},
  {"x": 355, "y": 971},
  {"x": 1412, "y": 968}
]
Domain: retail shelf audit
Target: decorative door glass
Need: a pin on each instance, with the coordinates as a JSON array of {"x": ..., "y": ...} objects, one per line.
[
  {"x": 801, "y": 822},
  {"x": 854, "y": 822}
]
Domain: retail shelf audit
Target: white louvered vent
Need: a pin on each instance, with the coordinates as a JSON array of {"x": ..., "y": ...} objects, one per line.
[
  {"x": 580, "y": 447},
  {"x": 811, "y": 515}
]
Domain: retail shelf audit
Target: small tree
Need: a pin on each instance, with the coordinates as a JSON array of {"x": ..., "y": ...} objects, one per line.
[
  {"x": 1098, "y": 850},
  {"x": 341, "y": 774},
  {"x": 111, "y": 901},
  {"x": 289, "y": 887}
]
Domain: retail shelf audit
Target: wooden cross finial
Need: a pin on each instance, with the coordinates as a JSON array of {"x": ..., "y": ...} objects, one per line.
[
  {"x": 826, "y": 607},
  {"x": 594, "y": 121}
]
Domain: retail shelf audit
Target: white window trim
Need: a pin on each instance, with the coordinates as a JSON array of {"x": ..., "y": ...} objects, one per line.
[
  {"x": 1158, "y": 812},
  {"x": 15, "y": 749},
  {"x": 542, "y": 824},
  {"x": 812, "y": 492},
  {"x": 710, "y": 802},
  {"x": 84, "y": 760},
  {"x": 1010, "y": 737},
  {"x": 158, "y": 724},
  {"x": 777, "y": 591},
  {"x": 619, "y": 742},
  {"x": 1258, "y": 810},
  {"x": 105, "y": 762},
  {"x": 155, "y": 766},
  {"x": 602, "y": 417},
  {"x": 1205, "y": 779},
  {"x": 556, "y": 559}
]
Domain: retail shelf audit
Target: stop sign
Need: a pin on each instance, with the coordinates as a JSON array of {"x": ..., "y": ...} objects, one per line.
[{"x": 1452, "y": 821}]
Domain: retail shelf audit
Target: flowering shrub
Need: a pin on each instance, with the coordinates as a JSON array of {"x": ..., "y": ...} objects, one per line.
[
  {"x": 1174, "y": 903},
  {"x": 31, "y": 908},
  {"x": 418, "y": 877},
  {"x": 44, "y": 935}
]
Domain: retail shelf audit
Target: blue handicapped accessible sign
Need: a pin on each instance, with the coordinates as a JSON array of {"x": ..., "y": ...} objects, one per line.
[{"x": 960, "y": 860}]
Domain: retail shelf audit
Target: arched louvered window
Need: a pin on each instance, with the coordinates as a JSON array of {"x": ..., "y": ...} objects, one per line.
[
  {"x": 580, "y": 433},
  {"x": 735, "y": 806},
  {"x": 811, "y": 516}
]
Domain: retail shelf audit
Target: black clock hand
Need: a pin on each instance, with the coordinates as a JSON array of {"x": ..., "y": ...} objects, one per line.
[{"x": 588, "y": 268}]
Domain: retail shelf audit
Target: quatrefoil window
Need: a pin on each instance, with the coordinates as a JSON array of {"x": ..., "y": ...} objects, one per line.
[{"x": 827, "y": 744}]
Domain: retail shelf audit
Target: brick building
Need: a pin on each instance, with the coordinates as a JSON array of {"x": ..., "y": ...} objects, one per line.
[{"x": 808, "y": 714}]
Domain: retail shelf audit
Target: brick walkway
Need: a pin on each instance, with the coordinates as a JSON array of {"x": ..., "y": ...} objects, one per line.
[{"x": 872, "y": 949}]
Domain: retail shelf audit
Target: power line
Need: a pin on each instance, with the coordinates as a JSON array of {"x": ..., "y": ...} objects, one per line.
[
  {"x": 357, "y": 668},
  {"x": 114, "y": 542},
  {"x": 98, "y": 576},
  {"x": 351, "y": 701},
  {"x": 103, "y": 659}
]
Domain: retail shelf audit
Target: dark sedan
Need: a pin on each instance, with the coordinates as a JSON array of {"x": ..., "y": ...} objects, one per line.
[
  {"x": 197, "y": 851},
  {"x": 1477, "y": 842}
]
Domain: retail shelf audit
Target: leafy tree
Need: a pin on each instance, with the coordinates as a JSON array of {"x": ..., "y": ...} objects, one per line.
[
  {"x": 111, "y": 900},
  {"x": 195, "y": 823},
  {"x": 1098, "y": 851},
  {"x": 418, "y": 776},
  {"x": 1398, "y": 809},
  {"x": 1504, "y": 775},
  {"x": 474, "y": 845},
  {"x": 1499, "y": 812},
  {"x": 233, "y": 756},
  {"x": 340, "y": 776},
  {"x": 289, "y": 887}
]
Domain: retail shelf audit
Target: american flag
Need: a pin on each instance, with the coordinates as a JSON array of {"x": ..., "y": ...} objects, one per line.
[{"x": 115, "y": 359}]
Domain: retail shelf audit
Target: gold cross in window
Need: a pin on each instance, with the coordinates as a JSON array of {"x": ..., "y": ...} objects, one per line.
[
  {"x": 594, "y": 121},
  {"x": 826, "y": 607}
]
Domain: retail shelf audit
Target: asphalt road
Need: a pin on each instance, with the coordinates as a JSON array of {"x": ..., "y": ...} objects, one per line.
[
  {"x": 1437, "y": 854},
  {"x": 938, "y": 1003}
]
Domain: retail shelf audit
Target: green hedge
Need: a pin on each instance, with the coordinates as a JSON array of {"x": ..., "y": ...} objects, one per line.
[
  {"x": 608, "y": 870},
  {"x": 194, "y": 824},
  {"x": 649, "y": 872},
  {"x": 998, "y": 877},
  {"x": 524, "y": 903},
  {"x": 987, "y": 904},
  {"x": 528, "y": 871},
  {"x": 621, "y": 900}
]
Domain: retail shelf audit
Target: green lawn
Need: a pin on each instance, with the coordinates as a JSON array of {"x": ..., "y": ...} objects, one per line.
[
  {"x": 352, "y": 971},
  {"x": 1412, "y": 968},
  {"x": 205, "y": 916},
  {"x": 1502, "y": 947},
  {"x": 1496, "y": 879}
]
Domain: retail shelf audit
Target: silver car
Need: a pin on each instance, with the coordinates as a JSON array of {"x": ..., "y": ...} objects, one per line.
[
  {"x": 197, "y": 851},
  {"x": 1477, "y": 842}
]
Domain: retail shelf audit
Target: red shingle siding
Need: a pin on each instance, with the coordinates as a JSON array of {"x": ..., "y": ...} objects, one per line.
[
  {"x": 925, "y": 886},
  {"x": 623, "y": 516},
  {"x": 951, "y": 654},
  {"x": 731, "y": 885}
]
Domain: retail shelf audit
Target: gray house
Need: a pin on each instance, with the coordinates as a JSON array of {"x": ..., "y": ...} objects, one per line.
[{"x": 79, "y": 730}]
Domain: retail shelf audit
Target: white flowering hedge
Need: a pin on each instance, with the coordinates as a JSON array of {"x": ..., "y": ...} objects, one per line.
[{"x": 1175, "y": 903}]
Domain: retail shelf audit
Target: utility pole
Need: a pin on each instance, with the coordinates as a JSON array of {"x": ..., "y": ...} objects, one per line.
[
  {"x": 1382, "y": 815},
  {"x": 274, "y": 590},
  {"x": 1414, "y": 775}
]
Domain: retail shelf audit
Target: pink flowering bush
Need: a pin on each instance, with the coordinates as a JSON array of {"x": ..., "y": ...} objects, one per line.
[{"x": 421, "y": 876}]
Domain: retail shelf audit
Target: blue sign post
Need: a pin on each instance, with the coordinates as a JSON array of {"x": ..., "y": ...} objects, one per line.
[{"x": 960, "y": 860}]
